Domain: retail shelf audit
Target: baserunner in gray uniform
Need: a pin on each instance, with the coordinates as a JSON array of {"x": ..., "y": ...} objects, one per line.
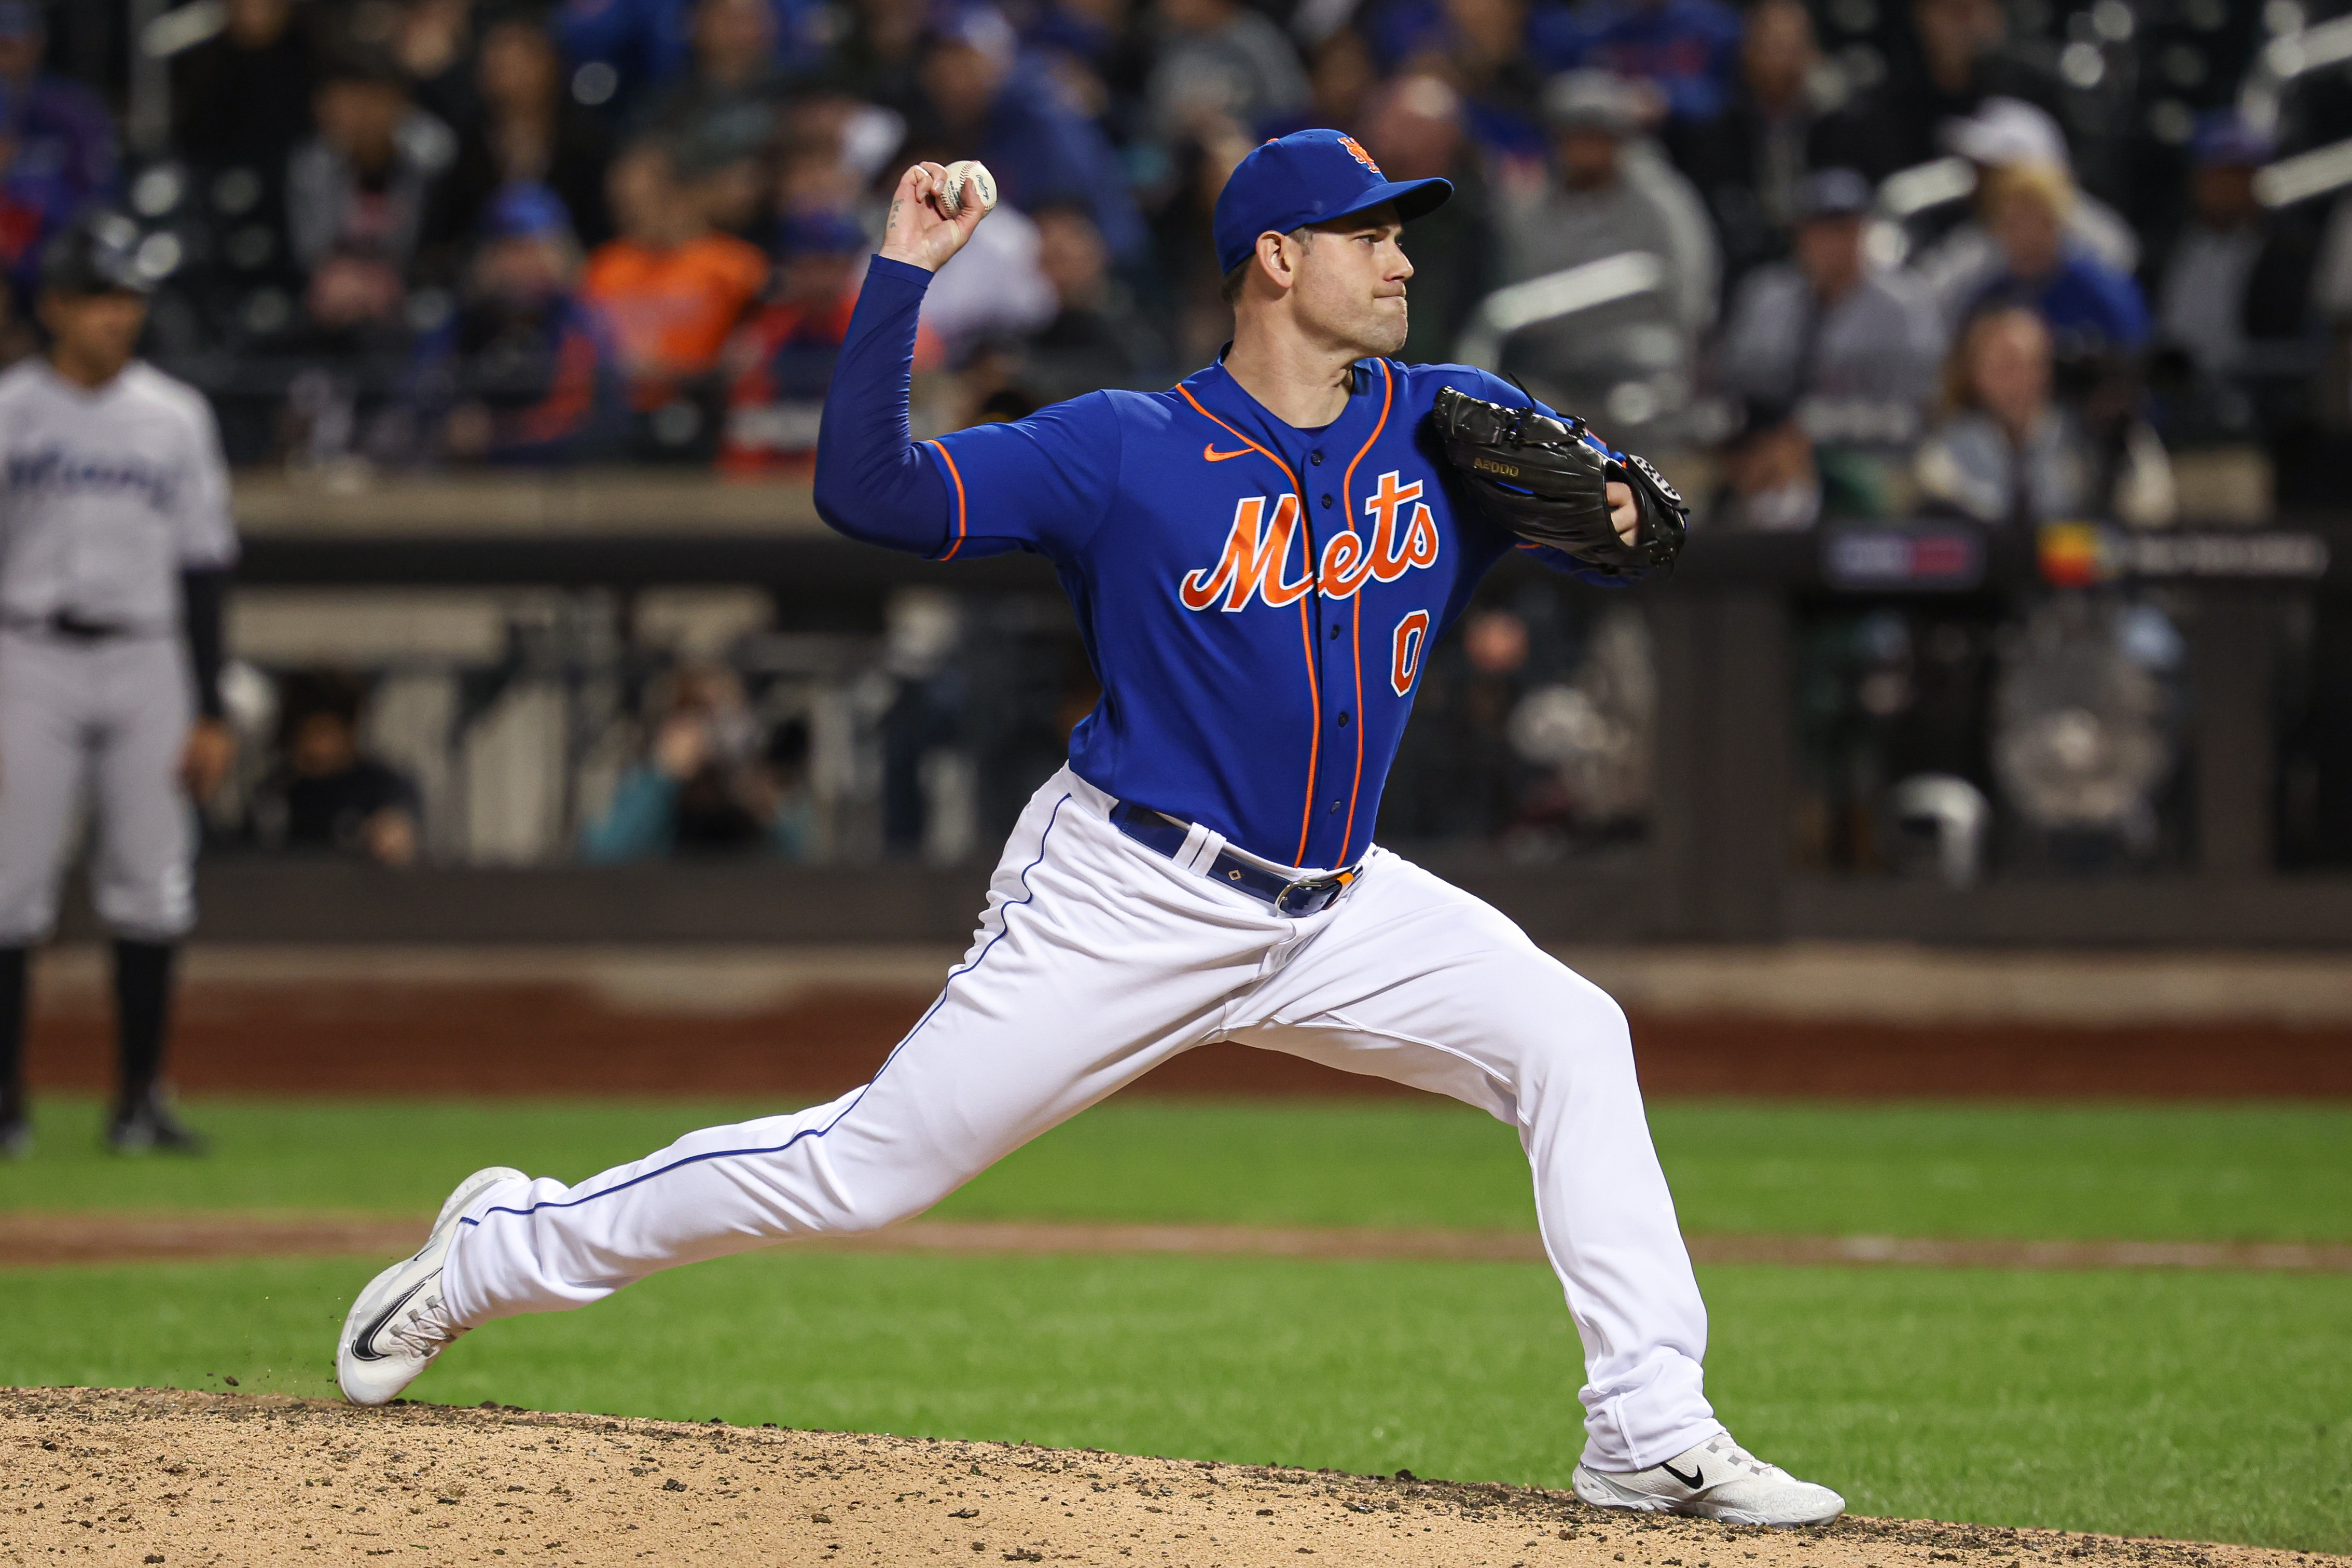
[{"x": 115, "y": 548}]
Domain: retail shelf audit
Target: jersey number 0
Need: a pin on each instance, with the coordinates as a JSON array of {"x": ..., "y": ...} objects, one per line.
[{"x": 1404, "y": 662}]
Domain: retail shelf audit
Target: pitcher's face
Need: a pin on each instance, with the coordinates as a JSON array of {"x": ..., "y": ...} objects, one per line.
[{"x": 1352, "y": 282}]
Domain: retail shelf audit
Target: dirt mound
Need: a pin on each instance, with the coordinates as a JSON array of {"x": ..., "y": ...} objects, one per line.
[{"x": 156, "y": 1476}]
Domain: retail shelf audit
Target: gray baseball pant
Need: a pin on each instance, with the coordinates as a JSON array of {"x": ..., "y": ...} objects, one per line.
[{"x": 105, "y": 719}]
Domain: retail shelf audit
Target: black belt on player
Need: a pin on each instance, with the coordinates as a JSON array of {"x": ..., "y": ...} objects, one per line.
[
  {"x": 73, "y": 628},
  {"x": 1293, "y": 896}
]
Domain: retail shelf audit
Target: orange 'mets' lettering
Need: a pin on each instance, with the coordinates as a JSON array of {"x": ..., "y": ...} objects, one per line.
[
  {"x": 1252, "y": 562},
  {"x": 1256, "y": 556}
]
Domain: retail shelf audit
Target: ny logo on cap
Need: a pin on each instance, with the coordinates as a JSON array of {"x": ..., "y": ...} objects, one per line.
[{"x": 1356, "y": 151}]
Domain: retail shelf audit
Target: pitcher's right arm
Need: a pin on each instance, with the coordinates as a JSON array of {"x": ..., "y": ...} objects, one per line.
[
  {"x": 1040, "y": 484},
  {"x": 873, "y": 481}
]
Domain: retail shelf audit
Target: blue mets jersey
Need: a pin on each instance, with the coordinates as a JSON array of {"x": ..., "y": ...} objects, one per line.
[{"x": 1258, "y": 601}]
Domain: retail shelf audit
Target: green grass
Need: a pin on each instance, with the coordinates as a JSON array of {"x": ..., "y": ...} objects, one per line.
[
  {"x": 2200, "y": 1406},
  {"x": 2213, "y": 1406},
  {"x": 2255, "y": 1172}
]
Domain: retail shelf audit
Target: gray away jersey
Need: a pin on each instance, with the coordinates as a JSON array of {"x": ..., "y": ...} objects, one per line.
[{"x": 106, "y": 497}]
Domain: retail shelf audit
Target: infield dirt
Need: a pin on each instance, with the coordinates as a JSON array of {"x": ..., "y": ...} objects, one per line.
[
  {"x": 156, "y": 1476},
  {"x": 429, "y": 1036}
]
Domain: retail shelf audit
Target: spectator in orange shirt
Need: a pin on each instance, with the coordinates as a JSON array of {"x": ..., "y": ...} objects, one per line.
[{"x": 670, "y": 290}]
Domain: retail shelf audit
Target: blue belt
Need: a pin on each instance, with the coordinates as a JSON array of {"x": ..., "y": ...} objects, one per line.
[{"x": 1291, "y": 896}]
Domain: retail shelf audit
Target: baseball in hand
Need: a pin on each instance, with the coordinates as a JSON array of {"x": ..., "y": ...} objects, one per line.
[{"x": 967, "y": 179}]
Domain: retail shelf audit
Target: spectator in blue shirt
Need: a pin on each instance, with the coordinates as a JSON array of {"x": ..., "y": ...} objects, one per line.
[
  {"x": 57, "y": 142},
  {"x": 1686, "y": 51},
  {"x": 2095, "y": 310},
  {"x": 637, "y": 45},
  {"x": 522, "y": 371},
  {"x": 1495, "y": 53},
  {"x": 989, "y": 104}
]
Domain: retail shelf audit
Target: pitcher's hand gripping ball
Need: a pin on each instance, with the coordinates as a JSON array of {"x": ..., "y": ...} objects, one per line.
[
  {"x": 967, "y": 180},
  {"x": 1548, "y": 479}
]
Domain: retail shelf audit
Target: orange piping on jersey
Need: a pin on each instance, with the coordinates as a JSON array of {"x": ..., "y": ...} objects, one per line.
[
  {"x": 1347, "y": 499},
  {"x": 1315, "y": 745},
  {"x": 1244, "y": 440},
  {"x": 953, "y": 472},
  {"x": 1306, "y": 632}
]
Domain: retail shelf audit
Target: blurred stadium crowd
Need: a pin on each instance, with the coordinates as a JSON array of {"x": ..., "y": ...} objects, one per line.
[
  {"x": 1999, "y": 260},
  {"x": 1993, "y": 256}
]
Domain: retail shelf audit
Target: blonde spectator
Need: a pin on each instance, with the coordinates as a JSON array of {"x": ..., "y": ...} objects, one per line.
[
  {"x": 2007, "y": 453},
  {"x": 2091, "y": 307}
]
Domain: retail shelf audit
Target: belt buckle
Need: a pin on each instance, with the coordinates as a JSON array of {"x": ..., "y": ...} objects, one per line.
[{"x": 1331, "y": 886}]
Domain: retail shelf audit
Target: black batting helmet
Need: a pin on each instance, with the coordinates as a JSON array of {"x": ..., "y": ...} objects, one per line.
[{"x": 96, "y": 253}]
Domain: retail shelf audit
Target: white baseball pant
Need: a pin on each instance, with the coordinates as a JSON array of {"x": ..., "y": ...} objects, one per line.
[
  {"x": 106, "y": 719},
  {"x": 1096, "y": 960}
]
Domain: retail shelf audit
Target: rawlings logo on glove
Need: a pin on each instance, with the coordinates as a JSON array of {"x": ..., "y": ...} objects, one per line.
[{"x": 1547, "y": 480}]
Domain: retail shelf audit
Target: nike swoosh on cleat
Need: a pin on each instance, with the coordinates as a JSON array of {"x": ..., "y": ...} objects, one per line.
[
  {"x": 1695, "y": 1479},
  {"x": 364, "y": 1342},
  {"x": 1211, "y": 454}
]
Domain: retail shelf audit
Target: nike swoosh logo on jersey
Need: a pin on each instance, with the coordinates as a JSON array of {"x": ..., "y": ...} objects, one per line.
[
  {"x": 1211, "y": 454},
  {"x": 1696, "y": 1478}
]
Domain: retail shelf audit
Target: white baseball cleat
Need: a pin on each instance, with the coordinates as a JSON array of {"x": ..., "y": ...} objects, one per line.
[
  {"x": 397, "y": 1326},
  {"x": 1717, "y": 1480}
]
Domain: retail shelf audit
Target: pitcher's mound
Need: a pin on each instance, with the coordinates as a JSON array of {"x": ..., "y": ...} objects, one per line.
[{"x": 148, "y": 1476}]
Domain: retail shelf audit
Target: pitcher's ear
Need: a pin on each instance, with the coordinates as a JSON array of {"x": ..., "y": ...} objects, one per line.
[{"x": 1275, "y": 260}]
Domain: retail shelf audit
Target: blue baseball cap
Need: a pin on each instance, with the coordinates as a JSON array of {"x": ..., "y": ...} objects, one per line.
[
  {"x": 2224, "y": 139},
  {"x": 822, "y": 232},
  {"x": 526, "y": 209},
  {"x": 1309, "y": 177},
  {"x": 1832, "y": 193}
]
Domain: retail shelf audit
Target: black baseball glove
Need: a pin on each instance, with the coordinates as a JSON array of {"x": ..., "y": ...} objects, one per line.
[{"x": 1541, "y": 477}]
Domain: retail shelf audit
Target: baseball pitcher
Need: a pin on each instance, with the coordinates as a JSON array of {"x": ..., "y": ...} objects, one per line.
[
  {"x": 1261, "y": 558},
  {"x": 115, "y": 548}
]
